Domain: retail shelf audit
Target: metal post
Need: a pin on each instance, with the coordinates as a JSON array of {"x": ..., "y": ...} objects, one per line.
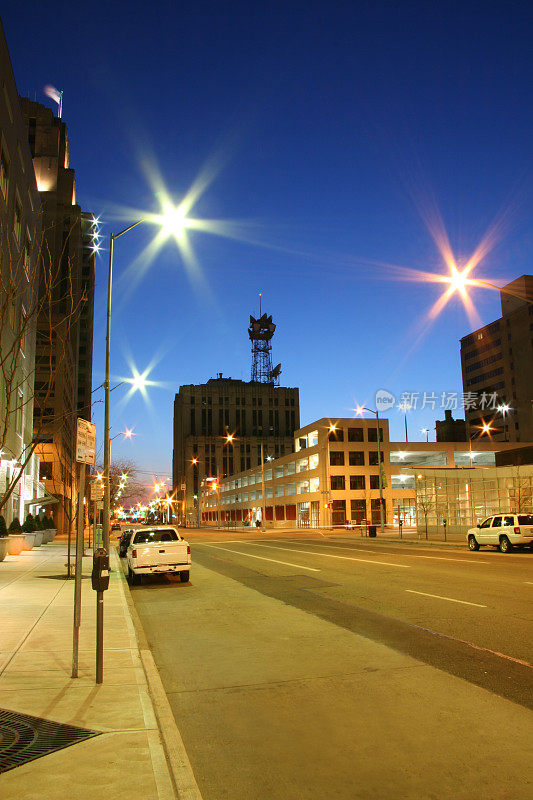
[
  {"x": 99, "y": 637},
  {"x": 77, "y": 576},
  {"x": 263, "y": 507},
  {"x": 380, "y": 476},
  {"x": 107, "y": 443}
]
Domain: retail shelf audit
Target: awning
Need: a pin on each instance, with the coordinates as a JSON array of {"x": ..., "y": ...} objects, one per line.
[{"x": 41, "y": 501}]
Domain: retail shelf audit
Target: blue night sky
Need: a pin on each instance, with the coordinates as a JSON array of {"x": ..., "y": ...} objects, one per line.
[{"x": 334, "y": 133}]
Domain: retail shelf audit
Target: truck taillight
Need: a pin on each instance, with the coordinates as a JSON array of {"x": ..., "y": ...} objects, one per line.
[
  {"x": 134, "y": 553},
  {"x": 188, "y": 549},
  {"x": 517, "y": 530}
]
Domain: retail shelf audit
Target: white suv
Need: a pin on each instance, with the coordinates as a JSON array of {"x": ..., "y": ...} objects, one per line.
[{"x": 502, "y": 530}]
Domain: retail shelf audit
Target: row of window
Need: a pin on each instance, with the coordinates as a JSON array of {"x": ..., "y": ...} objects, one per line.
[
  {"x": 355, "y": 434},
  {"x": 356, "y": 458},
  {"x": 243, "y": 401},
  {"x": 357, "y": 482}
]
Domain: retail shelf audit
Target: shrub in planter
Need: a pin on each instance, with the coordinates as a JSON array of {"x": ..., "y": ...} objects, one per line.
[
  {"x": 15, "y": 526},
  {"x": 3, "y": 527},
  {"x": 29, "y": 524},
  {"x": 48, "y": 523},
  {"x": 37, "y": 523}
]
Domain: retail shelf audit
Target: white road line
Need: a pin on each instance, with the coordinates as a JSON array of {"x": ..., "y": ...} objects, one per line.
[
  {"x": 451, "y": 599},
  {"x": 262, "y": 558},
  {"x": 530, "y": 583},
  {"x": 330, "y": 555},
  {"x": 391, "y": 553}
]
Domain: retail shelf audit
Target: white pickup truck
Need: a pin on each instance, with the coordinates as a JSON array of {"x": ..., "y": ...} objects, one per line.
[{"x": 155, "y": 550}]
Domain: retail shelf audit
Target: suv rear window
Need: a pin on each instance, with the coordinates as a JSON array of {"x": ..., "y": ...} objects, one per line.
[
  {"x": 525, "y": 519},
  {"x": 144, "y": 537}
]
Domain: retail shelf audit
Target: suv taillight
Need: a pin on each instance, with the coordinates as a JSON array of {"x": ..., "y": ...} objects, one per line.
[
  {"x": 517, "y": 530},
  {"x": 188, "y": 549},
  {"x": 134, "y": 553}
]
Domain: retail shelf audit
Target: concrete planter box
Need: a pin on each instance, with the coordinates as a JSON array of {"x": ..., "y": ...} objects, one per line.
[
  {"x": 47, "y": 536},
  {"x": 16, "y": 544},
  {"x": 53, "y": 532},
  {"x": 4, "y": 543},
  {"x": 38, "y": 538},
  {"x": 29, "y": 541}
]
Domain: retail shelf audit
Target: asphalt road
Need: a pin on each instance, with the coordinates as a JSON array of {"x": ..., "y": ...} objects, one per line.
[{"x": 300, "y": 665}]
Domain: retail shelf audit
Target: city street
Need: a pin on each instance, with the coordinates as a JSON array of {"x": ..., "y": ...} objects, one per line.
[{"x": 303, "y": 664}]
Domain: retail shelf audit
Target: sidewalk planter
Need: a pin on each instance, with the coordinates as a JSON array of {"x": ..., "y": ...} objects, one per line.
[
  {"x": 15, "y": 544},
  {"x": 29, "y": 540},
  {"x": 3, "y": 547},
  {"x": 48, "y": 535},
  {"x": 53, "y": 532},
  {"x": 38, "y": 538}
]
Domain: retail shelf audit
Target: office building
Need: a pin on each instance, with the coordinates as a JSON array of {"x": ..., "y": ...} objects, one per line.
[
  {"x": 64, "y": 339},
  {"x": 20, "y": 236},
  {"x": 332, "y": 478},
  {"x": 497, "y": 368}
]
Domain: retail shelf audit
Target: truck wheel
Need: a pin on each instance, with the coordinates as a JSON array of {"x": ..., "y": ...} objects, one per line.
[
  {"x": 472, "y": 543},
  {"x": 132, "y": 577},
  {"x": 505, "y": 545},
  {"x": 184, "y": 576}
]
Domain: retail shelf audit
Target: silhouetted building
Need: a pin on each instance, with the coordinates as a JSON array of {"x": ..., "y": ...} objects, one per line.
[
  {"x": 450, "y": 429},
  {"x": 20, "y": 235},
  {"x": 67, "y": 352},
  {"x": 497, "y": 367}
]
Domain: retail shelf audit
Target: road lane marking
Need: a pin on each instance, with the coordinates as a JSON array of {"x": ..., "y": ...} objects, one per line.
[
  {"x": 391, "y": 553},
  {"x": 451, "y": 599},
  {"x": 262, "y": 558},
  {"x": 330, "y": 555},
  {"x": 530, "y": 583}
]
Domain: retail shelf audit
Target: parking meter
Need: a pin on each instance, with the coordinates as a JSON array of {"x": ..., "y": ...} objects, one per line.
[
  {"x": 400, "y": 526},
  {"x": 444, "y": 526},
  {"x": 100, "y": 573}
]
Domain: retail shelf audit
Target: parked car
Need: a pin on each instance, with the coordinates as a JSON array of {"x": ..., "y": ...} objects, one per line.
[
  {"x": 115, "y": 526},
  {"x": 124, "y": 541},
  {"x": 504, "y": 531},
  {"x": 158, "y": 549}
]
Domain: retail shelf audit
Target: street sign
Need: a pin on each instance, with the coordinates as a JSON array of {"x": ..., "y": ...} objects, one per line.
[
  {"x": 85, "y": 441},
  {"x": 97, "y": 491}
]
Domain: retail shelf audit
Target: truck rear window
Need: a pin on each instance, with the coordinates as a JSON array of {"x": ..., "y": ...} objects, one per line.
[
  {"x": 525, "y": 519},
  {"x": 144, "y": 537}
]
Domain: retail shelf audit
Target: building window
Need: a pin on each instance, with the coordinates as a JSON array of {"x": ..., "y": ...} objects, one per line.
[
  {"x": 373, "y": 434},
  {"x": 17, "y": 220},
  {"x": 373, "y": 458},
  {"x": 336, "y": 458},
  {"x": 338, "y": 513},
  {"x": 374, "y": 481},
  {"x": 4, "y": 173},
  {"x": 355, "y": 434},
  {"x": 356, "y": 458},
  {"x": 337, "y": 482},
  {"x": 357, "y": 482},
  {"x": 358, "y": 509}
]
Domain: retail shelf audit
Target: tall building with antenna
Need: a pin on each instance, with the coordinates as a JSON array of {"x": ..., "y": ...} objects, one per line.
[{"x": 219, "y": 426}]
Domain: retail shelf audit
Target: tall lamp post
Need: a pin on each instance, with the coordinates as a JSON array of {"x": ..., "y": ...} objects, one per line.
[
  {"x": 172, "y": 221},
  {"x": 485, "y": 430},
  {"x": 504, "y": 410},
  {"x": 195, "y": 463},
  {"x": 359, "y": 410}
]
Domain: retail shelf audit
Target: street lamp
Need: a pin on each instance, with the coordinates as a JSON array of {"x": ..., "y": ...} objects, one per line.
[
  {"x": 485, "y": 430},
  {"x": 331, "y": 429},
  {"x": 504, "y": 410},
  {"x": 426, "y": 431},
  {"x": 172, "y": 221},
  {"x": 359, "y": 410},
  {"x": 196, "y": 464},
  {"x": 405, "y": 407}
]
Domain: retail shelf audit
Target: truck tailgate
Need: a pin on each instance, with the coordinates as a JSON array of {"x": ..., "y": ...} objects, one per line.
[{"x": 160, "y": 553}]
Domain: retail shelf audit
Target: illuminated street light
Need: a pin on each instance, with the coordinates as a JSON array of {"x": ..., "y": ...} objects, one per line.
[
  {"x": 359, "y": 412},
  {"x": 426, "y": 432},
  {"x": 167, "y": 220}
]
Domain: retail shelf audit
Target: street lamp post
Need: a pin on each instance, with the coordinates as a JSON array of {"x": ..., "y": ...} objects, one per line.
[
  {"x": 504, "y": 411},
  {"x": 171, "y": 220},
  {"x": 195, "y": 463},
  {"x": 485, "y": 429},
  {"x": 360, "y": 410}
]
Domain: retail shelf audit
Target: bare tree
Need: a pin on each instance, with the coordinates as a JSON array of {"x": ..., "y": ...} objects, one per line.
[
  {"x": 124, "y": 484},
  {"x": 40, "y": 302},
  {"x": 520, "y": 495}
]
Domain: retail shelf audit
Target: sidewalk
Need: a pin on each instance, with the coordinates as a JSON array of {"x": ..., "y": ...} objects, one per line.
[{"x": 131, "y": 756}]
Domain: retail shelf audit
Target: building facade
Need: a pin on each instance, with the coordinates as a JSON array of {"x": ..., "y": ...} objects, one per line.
[
  {"x": 497, "y": 361},
  {"x": 20, "y": 236},
  {"x": 332, "y": 478},
  {"x": 221, "y": 427},
  {"x": 64, "y": 338}
]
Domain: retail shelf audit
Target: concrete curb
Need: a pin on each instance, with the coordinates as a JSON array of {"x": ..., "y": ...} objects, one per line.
[{"x": 178, "y": 762}]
